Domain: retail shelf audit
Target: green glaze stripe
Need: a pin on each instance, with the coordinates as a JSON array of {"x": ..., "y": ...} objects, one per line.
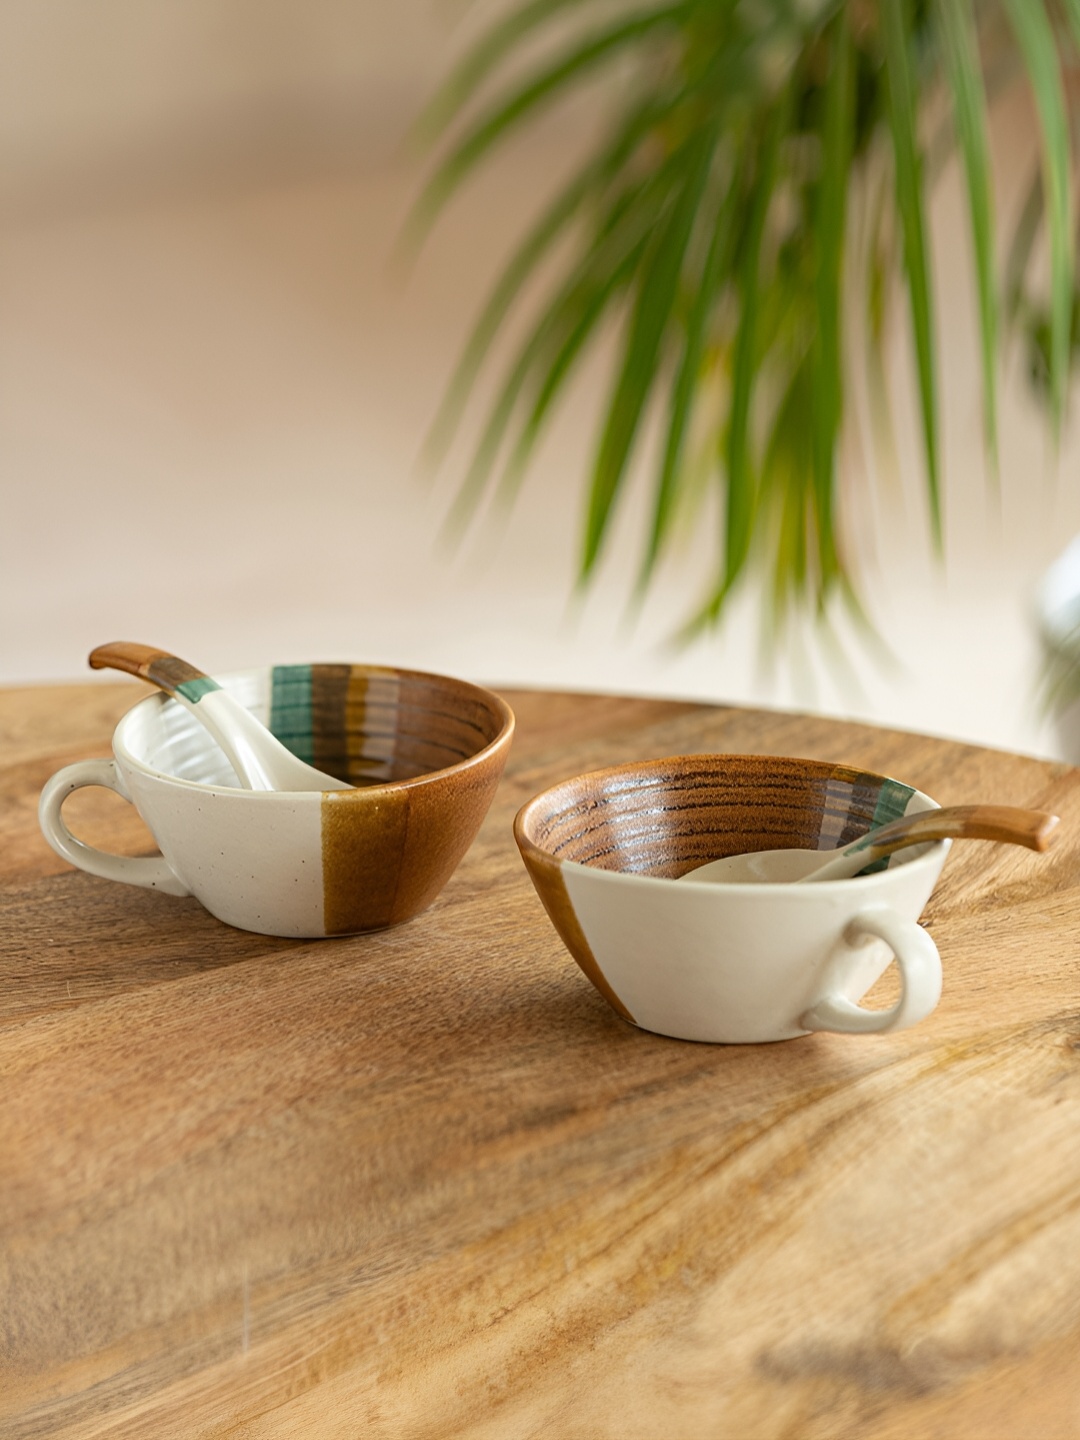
[
  {"x": 892, "y": 802},
  {"x": 194, "y": 690},
  {"x": 290, "y": 709}
]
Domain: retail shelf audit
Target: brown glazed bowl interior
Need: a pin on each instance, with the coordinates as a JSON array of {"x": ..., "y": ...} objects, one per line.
[
  {"x": 666, "y": 817},
  {"x": 367, "y": 724},
  {"x": 373, "y": 725}
]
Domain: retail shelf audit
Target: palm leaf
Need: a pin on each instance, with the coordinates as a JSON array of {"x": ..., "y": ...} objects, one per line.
[
  {"x": 685, "y": 387},
  {"x": 909, "y": 202},
  {"x": 594, "y": 300},
  {"x": 969, "y": 109},
  {"x": 711, "y": 221},
  {"x": 652, "y": 310},
  {"x": 505, "y": 291},
  {"x": 536, "y": 244},
  {"x": 620, "y": 237},
  {"x": 829, "y": 220},
  {"x": 739, "y": 509},
  {"x": 585, "y": 294},
  {"x": 507, "y": 113},
  {"x": 1035, "y": 36},
  {"x": 484, "y": 57},
  {"x": 1021, "y": 246},
  {"x": 785, "y": 483}
]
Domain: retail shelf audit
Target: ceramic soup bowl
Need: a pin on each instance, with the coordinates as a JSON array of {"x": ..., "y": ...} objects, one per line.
[
  {"x": 607, "y": 853},
  {"x": 425, "y": 752}
]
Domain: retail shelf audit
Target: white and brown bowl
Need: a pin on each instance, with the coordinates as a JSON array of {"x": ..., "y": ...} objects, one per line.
[
  {"x": 424, "y": 752},
  {"x": 732, "y": 962}
]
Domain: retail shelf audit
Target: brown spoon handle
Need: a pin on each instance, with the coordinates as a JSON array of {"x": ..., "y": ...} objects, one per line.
[
  {"x": 1005, "y": 823},
  {"x": 167, "y": 672}
]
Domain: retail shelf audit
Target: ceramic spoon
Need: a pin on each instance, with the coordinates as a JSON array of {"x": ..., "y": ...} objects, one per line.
[
  {"x": 259, "y": 758},
  {"x": 1005, "y": 823}
]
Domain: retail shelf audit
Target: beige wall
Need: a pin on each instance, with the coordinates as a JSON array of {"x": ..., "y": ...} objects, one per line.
[
  {"x": 214, "y": 384},
  {"x": 96, "y": 92}
]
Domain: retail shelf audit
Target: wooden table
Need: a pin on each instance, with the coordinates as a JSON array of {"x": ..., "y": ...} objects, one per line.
[{"x": 425, "y": 1183}]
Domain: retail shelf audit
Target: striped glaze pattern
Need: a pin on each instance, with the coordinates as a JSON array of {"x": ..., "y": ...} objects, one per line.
[
  {"x": 373, "y": 725},
  {"x": 666, "y": 817}
]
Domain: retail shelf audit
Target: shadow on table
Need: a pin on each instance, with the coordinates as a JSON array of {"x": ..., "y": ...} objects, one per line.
[{"x": 68, "y": 941}]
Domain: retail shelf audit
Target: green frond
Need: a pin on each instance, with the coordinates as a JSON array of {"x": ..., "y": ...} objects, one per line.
[
  {"x": 471, "y": 491},
  {"x": 618, "y": 245},
  {"x": 593, "y": 300},
  {"x": 1072, "y": 15},
  {"x": 619, "y": 241},
  {"x": 530, "y": 252},
  {"x": 788, "y": 487},
  {"x": 481, "y": 60},
  {"x": 652, "y": 310},
  {"x": 830, "y": 213},
  {"x": 960, "y": 45},
  {"x": 1035, "y": 37},
  {"x": 685, "y": 387},
  {"x": 740, "y": 496},
  {"x": 1021, "y": 246},
  {"x": 909, "y": 202},
  {"x": 709, "y": 225},
  {"x": 525, "y": 98}
]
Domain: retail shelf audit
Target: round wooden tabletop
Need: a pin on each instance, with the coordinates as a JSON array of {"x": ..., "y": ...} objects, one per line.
[{"x": 426, "y": 1183}]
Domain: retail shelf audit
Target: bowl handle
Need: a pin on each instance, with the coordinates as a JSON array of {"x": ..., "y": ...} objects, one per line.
[
  {"x": 152, "y": 872},
  {"x": 919, "y": 964}
]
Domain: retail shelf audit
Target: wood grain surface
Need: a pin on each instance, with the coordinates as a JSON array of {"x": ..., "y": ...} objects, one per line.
[{"x": 424, "y": 1183}]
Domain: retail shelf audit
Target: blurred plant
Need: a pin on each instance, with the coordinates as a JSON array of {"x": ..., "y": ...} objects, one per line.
[
  {"x": 1059, "y": 681},
  {"x": 712, "y": 221}
]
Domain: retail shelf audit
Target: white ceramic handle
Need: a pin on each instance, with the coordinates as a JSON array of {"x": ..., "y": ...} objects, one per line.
[
  {"x": 153, "y": 872},
  {"x": 919, "y": 964}
]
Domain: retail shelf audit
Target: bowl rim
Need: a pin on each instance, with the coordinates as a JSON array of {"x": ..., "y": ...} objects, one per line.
[
  {"x": 933, "y": 856},
  {"x": 490, "y": 698}
]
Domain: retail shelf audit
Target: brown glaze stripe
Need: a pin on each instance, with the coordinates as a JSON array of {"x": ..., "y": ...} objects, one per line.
[
  {"x": 389, "y": 847},
  {"x": 374, "y": 722},
  {"x": 547, "y": 876},
  {"x": 368, "y": 714},
  {"x": 330, "y": 687},
  {"x": 363, "y": 848},
  {"x": 664, "y": 826}
]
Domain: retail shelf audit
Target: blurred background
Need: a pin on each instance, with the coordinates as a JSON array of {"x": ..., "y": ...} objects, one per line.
[{"x": 216, "y": 373}]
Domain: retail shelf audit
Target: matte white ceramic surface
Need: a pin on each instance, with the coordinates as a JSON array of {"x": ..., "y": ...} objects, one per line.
[{"x": 743, "y": 963}]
